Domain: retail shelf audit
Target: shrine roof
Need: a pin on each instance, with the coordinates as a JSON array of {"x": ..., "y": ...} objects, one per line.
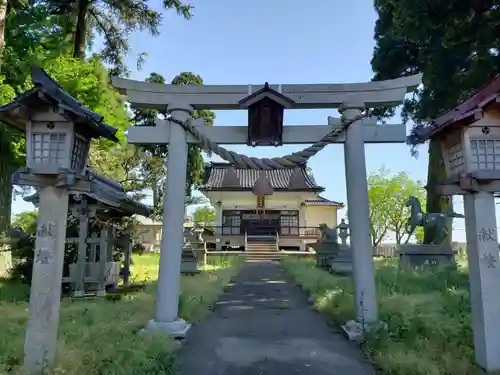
[
  {"x": 321, "y": 201},
  {"x": 108, "y": 192},
  {"x": 278, "y": 178},
  {"x": 48, "y": 91},
  {"x": 467, "y": 112}
]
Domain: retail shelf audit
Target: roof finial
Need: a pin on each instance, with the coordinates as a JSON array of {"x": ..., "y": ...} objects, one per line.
[{"x": 262, "y": 185}]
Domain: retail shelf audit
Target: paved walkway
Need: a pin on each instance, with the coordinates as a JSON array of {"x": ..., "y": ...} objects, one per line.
[{"x": 263, "y": 326}]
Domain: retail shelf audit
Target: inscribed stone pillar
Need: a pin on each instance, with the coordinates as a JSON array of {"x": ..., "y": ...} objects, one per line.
[
  {"x": 484, "y": 277},
  {"x": 167, "y": 297},
  {"x": 359, "y": 218},
  {"x": 45, "y": 294}
]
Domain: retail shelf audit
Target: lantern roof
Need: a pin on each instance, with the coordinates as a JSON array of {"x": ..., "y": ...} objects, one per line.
[
  {"x": 467, "y": 112},
  {"x": 266, "y": 92},
  {"x": 48, "y": 92},
  {"x": 107, "y": 191}
]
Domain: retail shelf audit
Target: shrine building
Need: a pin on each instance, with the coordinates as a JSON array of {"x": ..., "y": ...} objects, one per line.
[{"x": 282, "y": 207}]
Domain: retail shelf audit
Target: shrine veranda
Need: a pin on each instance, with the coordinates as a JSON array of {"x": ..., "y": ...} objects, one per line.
[{"x": 265, "y": 105}]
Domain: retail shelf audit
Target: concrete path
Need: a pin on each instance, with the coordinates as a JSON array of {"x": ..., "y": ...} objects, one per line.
[{"x": 263, "y": 326}]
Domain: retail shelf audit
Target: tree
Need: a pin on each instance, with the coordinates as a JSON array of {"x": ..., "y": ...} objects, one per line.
[
  {"x": 27, "y": 35},
  {"x": 114, "y": 20},
  {"x": 387, "y": 195},
  {"x": 401, "y": 186},
  {"x": 378, "y": 198},
  {"x": 204, "y": 214},
  {"x": 456, "y": 47},
  {"x": 154, "y": 167},
  {"x": 26, "y": 221}
]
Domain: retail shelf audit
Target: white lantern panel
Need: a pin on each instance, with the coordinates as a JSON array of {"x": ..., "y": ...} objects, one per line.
[
  {"x": 49, "y": 149},
  {"x": 485, "y": 154}
]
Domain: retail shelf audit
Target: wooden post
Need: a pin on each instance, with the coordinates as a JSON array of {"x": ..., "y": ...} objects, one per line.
[
  {"x": 45, "y": 294},
  {"x": 82, "y": 248},
  {"x": 93, "y": 243},
  {"x": 103, "y": 239},
  {"x": 127, "y": 261}
]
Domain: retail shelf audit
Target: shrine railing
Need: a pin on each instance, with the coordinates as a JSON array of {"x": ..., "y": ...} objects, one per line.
[{"x": 289, "y": 231}]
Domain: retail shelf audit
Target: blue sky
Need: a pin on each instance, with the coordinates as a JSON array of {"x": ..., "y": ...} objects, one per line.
[{"x": 279, "y": 41}]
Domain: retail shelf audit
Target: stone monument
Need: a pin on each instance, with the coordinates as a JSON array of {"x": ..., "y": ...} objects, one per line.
[
  {"x": 327, "y": 247},
  {"x": 435, "y": 253}
]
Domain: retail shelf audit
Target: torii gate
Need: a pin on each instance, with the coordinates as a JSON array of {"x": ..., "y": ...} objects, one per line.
[{"x": 179, "y": 129}]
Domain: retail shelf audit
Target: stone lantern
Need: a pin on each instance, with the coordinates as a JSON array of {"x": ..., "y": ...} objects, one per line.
[
  {"x": 469, "y": 136},
  {"x": 58, "y": 128},
  {"x": 58, "y": 132}
]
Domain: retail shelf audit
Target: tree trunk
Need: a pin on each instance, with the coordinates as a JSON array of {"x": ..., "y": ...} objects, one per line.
[
  {"x": 3, "y": 16},
  {"x": 436, "y": 203},
  {"x": 5, "y": 181},
  {"x": 81, "y": 29}
]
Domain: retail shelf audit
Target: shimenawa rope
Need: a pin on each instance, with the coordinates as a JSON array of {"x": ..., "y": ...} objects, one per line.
[{"x": 289, "y": 161}]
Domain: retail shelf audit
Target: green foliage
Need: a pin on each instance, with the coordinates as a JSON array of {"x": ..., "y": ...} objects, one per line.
[
  {"x": 427, "y": 311},
  {"x": 114, "y": 21},
  {"x": 454, "y": 44},
  {"x": 387, "y": 195},
  {"x": 205, "y": 214},
  {"x": 153, "y": 169},
  {"x": 26, "y": 221}
]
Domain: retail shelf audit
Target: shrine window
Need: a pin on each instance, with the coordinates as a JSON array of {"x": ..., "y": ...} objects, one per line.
[{"x": 289, "y": 223}]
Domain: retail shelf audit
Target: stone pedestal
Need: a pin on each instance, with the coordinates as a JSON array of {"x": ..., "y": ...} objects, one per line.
[
  {"x": 45, "y": 294},
  {"x": 326, "y": 251},
  {"x": 342, "y": 263},
  {"x": 415, "y": 255},
  {"x": 484, "y": 277},
  {"x": 189, "y": 261}
]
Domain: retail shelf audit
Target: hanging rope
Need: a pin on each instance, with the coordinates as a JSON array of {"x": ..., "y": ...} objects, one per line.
[{"x": 289, "y": 161}]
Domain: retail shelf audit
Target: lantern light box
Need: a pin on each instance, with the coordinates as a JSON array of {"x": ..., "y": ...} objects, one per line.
[
  {"x": 469, "y": 139},
  {"x": 58, "y": 128}
]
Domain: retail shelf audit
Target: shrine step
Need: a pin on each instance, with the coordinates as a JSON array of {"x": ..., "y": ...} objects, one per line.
[
  {"x": 264, "y": 255},
  {"x": 261, "y": 246}
]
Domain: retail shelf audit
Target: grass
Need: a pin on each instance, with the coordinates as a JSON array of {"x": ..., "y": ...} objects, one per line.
[
  {"x": 427, "y": 311},
  {"x": 99, "y": 336}
]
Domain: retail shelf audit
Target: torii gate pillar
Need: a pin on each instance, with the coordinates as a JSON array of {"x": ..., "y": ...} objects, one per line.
[
  {"x": 359, "y": 219},
  {"x": 167, "y": 296}
]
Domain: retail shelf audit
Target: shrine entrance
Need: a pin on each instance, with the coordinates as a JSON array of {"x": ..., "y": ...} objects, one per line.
[
  {"x": 255, "y": 223},
  {"x": 265, "y": 105}
]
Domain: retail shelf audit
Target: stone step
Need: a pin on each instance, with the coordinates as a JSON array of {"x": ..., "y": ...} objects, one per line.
[
  {"x": 261, "y": 249},
  {"x": 264, "y": 255}
]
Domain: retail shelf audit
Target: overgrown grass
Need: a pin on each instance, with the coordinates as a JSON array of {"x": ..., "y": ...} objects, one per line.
[
  {"x": 99, "y": 336},
  {"x": 427, "y": 311}
]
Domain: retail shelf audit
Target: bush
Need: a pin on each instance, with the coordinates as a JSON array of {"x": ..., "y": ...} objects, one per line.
[
  {"x": 22, "y": 243},
  {"x": 427, "y": 311}
]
